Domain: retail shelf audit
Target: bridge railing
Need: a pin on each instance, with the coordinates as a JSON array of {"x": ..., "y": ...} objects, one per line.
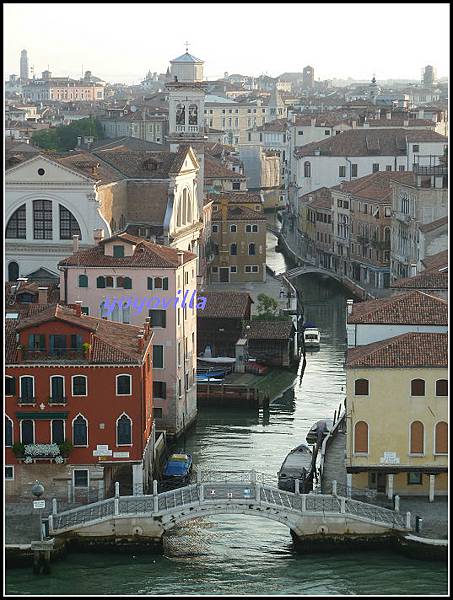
[
  {"x": 378, "y": 514},
  {"x": 83, "y": 514}
]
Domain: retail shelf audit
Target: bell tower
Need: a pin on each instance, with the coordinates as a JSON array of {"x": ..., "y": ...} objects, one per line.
[{"x": 186, "y": 95}]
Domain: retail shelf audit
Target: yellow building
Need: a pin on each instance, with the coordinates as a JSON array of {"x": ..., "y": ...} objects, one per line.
[{"x": 397, "y": 415}]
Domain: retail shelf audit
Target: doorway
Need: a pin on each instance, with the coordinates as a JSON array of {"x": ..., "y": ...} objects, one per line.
[
  {"x": 377, "y": 481},
  {"x": 224, "y": 275}
]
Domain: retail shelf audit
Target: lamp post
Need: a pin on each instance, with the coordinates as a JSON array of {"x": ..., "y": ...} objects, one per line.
[{"x": 38, "y": 490}]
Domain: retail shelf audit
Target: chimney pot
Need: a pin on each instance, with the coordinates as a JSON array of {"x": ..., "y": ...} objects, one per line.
[
  {"x": 98, "y": 235},
  {"x": 43, "y": 297},
  {"x": 78, "y": 307},
  {"x": 180, "y": 257},
  {"x": 75, "y": 244},
  {"x": 349, "y": 303}
]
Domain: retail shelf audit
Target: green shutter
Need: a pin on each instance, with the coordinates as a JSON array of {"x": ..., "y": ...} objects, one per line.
[
  {"x": 127, "y": 283},
  {"x": 165, "y": 283},
  {"x": 150, "y": 283},
  {"x": 100, "y": 282}
]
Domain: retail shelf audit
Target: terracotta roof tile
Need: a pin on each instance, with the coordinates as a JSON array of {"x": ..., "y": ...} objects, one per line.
[
  {"x": 268, "y": 330},
  {"x": 214, "y": 169},
  {"x": 407, "y": 350},
  {"x": 431, "y": 279},
  {"x": 240, "y": 213},
  {"x": 427, "y": 227},
  {"x": 411, "y": 308},
  {"x": 320, "y": 198},
  {"x": 438, "y": 260},
  {"x": 225, "y": 305}
]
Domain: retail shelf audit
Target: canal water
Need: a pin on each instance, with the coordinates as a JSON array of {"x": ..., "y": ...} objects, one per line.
[{"x": 247, "y": 554}]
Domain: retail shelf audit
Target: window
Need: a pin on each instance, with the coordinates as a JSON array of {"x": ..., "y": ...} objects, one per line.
[
  {"x": 216, "y": 249},
  {"x": 414, "y": 479},
  {"x": 157, "y": 413},
  {"x": 401, "y": 168},
  {"x": 158, "y": 357},
  {"x": 236, "y": 185},
  {"x": 215, "y": 228},
  {"x": 16, "y": 228},
  {"x": 252, "y": 250},
  {"x": 233, "y": 228},
  {"x": 57, "y": 344},
  {"x": 233, "y": 249},
  {"x": 342, "y": 171},
  {"x": 179, "y": 387},
  {"x": 418, "y": 387},
  {"x": 68, "y": 225},
  {"x": 361, "y": 387},
  {"x": 326, "y": 132},
  {"x": 214, "y": 270},
  {"x": 57, "y": 431},
  {"x": 123, "y": 385},
  {"x": 441, "y": 438},
  {"x": 27, "y": 389},
  {"x": 415, "y": 148},
  {"x": 124, "y": 431},
  {"x": 10, "y": 386},
  {"x": 127, "y": 283},
  {"x": 307, "y": 169},
  {"x": 233, "y": 269},
  {"x": 83, "y": 281},
  {"x": 300, "y": 132},
  {"x": 100, "y": 282},
  {"x": 417, "y": 434},
  {"x": 80, "y": 478},
  {"x": 158, "y": 318},
  {"x": 79, "y": 385},
  {"x": 251, "y": 269},
  {"x": 8, "y": 432},
  {"x": 109, "y": 281},
  {"x": 57, "y": 389},
  {"x": 27, "y": 431},
  {"x": 442, "y": 387},
  {"x": 361, "y": 437},
  {"x": 159, "y": 389},
  {"x": 42, "y": 219},
  {"x": 13, "y": 271},
  {"x": 375, "y": 167},
  {"x": 9, "y": 472},
  {"x": 354, "y": 170},
  {"x": 80, "y": 431},
  {"x": 388, "y": 167}
]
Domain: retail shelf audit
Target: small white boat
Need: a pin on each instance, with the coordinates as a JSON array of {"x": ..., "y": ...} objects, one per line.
[
  {"x": 225, "y": 360},
  {"x": 312, "y": 337}
]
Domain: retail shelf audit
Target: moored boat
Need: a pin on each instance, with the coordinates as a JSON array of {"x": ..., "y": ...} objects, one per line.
[
  {"x": 312, "y": 337},
  {"x": 178, "y": 468},
  {"x": 319, "y": 430},
  {"x": 297, "y": 465}
]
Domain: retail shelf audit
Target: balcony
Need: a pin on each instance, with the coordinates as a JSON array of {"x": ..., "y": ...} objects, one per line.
[
  {"x": 62, "y": 400},
  {"x": 26, "y": 400},
  {"x": 61, "y": 354},
  {"x": 187, "y": 128},
  {"x": 404, "y": 217}
]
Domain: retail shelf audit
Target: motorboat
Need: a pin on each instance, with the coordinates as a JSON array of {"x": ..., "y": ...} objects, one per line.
[
  {"x": 319, "y": 431},
  {"x": 297, "y": 465},
  {"x": 178, "y": 468},
  {"x": 219, "y": 360},
  {"x": 312, "y": 337}
]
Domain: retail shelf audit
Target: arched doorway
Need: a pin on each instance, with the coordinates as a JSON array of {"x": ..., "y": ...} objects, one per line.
[{"x": 13, "y": 271}]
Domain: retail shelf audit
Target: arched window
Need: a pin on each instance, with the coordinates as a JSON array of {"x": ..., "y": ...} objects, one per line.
[
  {"x": 42, "y": 219},
  {"x": 361, "y": 437},
  {"x": 120, "y": 282},
  {"x": 180, "y": 114},
  {"x": 150, "y": 283},
  {"x": 68, "y": 225},
  {"x": 10, "y": 385},
  {"x": 442, "y": 387},
  {"x": 127, "y": 283},
  {"x": 100, "y": 282},
  {"x": 307, "y": 169},
  {"x": 184, "y": 206},
  {"x": 109, "y": 281},
  {"x": 178, "y": 214},
  {"x": 189, "y": 207},
  {"x": 80, "y": 431},
  {"x": 8, "y": 432},
  {"x": 27, "y": 389},
  {"x": 83, "y": 280},
  {"x": 193, "y": 114},
  {"x": 115, "y": 316},
  {"x": 123, "y": 385},
  {"x": 158, "y": 283},
  {"x": 441, "y": 438},
  {"x": 418, "y": 387},
  {"x": 417, "y": 443},
  {"x": 252, "y": 250},
  {"x": 16, "y": 228},
  {"x": 387, "y": 234},
  {"x": 13, "y": 271},
  {"x": 361, "y": 387},
  {"x": 27, "y": 431},
  {"x": 124, "y": 431},
  {"x": 126, "y": 314},
  {"x": 233, "y": 249}
]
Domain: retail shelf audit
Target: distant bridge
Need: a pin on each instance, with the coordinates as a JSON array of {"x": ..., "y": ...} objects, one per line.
[
  {"x": 305, "y": 269},
  {"x": 227, "y": 492}
]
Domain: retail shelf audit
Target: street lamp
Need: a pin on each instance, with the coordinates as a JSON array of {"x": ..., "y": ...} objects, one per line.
[{"x": 38, "y": 490}]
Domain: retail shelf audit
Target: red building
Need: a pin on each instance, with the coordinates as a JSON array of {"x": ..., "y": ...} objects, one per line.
[{"x": 78, "y": 396}]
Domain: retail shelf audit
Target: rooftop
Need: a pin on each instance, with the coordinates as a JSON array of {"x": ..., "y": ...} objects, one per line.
[
  {"x": 430, "y": 279},
  {"x": 225, "y": 305},
  {"x": 268, "y": 330}
]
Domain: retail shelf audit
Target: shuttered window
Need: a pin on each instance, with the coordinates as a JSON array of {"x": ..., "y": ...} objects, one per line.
[
  {"x": 418, "y": 387},
  {"x": 361, "y": 387},
  {"x": 361, "y": 437},
  {"x": 441, "y": 446},
  {"x": 417, "y": 435},
  {"x": 442, "y": 387}
]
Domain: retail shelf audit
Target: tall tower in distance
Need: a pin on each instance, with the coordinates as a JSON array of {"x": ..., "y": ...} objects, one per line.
[
  {"x": 308, "y": 77},
  {"x": 186, "y": 96},
  {"x": 24, "y": 65},
  {"x": 429, "y": 76}
]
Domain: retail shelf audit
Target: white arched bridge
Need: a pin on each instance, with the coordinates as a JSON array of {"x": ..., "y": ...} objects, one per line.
[
  {"x": 305, "y": 269},
  {"x": 238, "y": 492}
]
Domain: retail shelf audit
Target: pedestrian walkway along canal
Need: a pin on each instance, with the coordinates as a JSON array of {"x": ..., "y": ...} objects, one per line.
[{"x": 235, "y": 554}]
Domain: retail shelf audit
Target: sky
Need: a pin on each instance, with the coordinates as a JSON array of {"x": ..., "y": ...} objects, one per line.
[{"x": 121, "y": 42}]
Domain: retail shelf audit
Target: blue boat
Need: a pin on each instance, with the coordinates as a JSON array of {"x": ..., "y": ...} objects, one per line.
[{"x": 178, "y": 467}]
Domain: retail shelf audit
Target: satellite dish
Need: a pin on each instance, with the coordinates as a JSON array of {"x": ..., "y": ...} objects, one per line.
[{"x": 133, "y": 108}]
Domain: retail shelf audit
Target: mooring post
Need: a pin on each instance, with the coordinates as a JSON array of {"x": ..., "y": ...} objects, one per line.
[
  {"x": 334, "y": 487},
  {"x": 397, "y": 503},
  {"x": 155, "y": 497},
  {"x": 297, "y": 486},
  {"x": 116, "y": 506},
  {"x": 198, "y": 474},
  {"x": 408, "y": 520},
  {"x": 50, "y": 523},
  {"x": 54, "y": 506},
  {"x": 304, "y": 503},
  {"x": 342, "y": 505},
  {"x": 117, "y": 489},
  {"x": 201, "y": 495}
]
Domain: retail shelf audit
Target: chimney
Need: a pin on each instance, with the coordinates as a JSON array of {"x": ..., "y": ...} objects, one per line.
[
  {"x": 413, "y": 270},
  {"x": 349, "y": 303},
  {"x": 141, "y": 342},
  {"x": 388, "y": 115},
  {"x": 75, "y": 244},
  {"x": 43, "y": 297},
  {"x": 98, "y": 235},
  {"x": 78, "y": 307},
  {"x": 313, "y": 122},
  {"x": 180, "y": 257}
]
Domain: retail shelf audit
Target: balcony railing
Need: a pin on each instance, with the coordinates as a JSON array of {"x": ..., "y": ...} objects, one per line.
[
  {"x": 26, "y": 400},
  {"x": 59, "y": 353},
  {"x": 58, "y": 400},
  {"x": 402, "y": 216},
  {"x": 187, "y": 128}
]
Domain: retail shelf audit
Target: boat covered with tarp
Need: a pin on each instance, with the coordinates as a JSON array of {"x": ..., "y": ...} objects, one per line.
[{"x": 297, "y": 465}]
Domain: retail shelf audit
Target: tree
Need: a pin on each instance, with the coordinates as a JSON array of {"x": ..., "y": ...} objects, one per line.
[
  {"x": 267, "y": 307},
  {"x": 64, "y": 137}
]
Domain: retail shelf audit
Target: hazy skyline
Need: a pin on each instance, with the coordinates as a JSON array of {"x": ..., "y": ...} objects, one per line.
[{"x": 121, "y": 42}]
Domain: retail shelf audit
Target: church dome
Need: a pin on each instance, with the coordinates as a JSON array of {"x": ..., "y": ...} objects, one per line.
[{"x": 187, "y": 58}]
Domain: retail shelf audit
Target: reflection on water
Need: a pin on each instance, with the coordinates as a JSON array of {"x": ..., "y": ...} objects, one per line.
[{"x": 233, "y": 554}]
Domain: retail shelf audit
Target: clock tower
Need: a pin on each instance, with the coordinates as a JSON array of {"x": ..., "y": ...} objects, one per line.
[{"x": 186, "y": 95}]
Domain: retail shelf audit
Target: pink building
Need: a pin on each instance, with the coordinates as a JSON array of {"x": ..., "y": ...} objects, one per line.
[{"x": 127, "y": 267}]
